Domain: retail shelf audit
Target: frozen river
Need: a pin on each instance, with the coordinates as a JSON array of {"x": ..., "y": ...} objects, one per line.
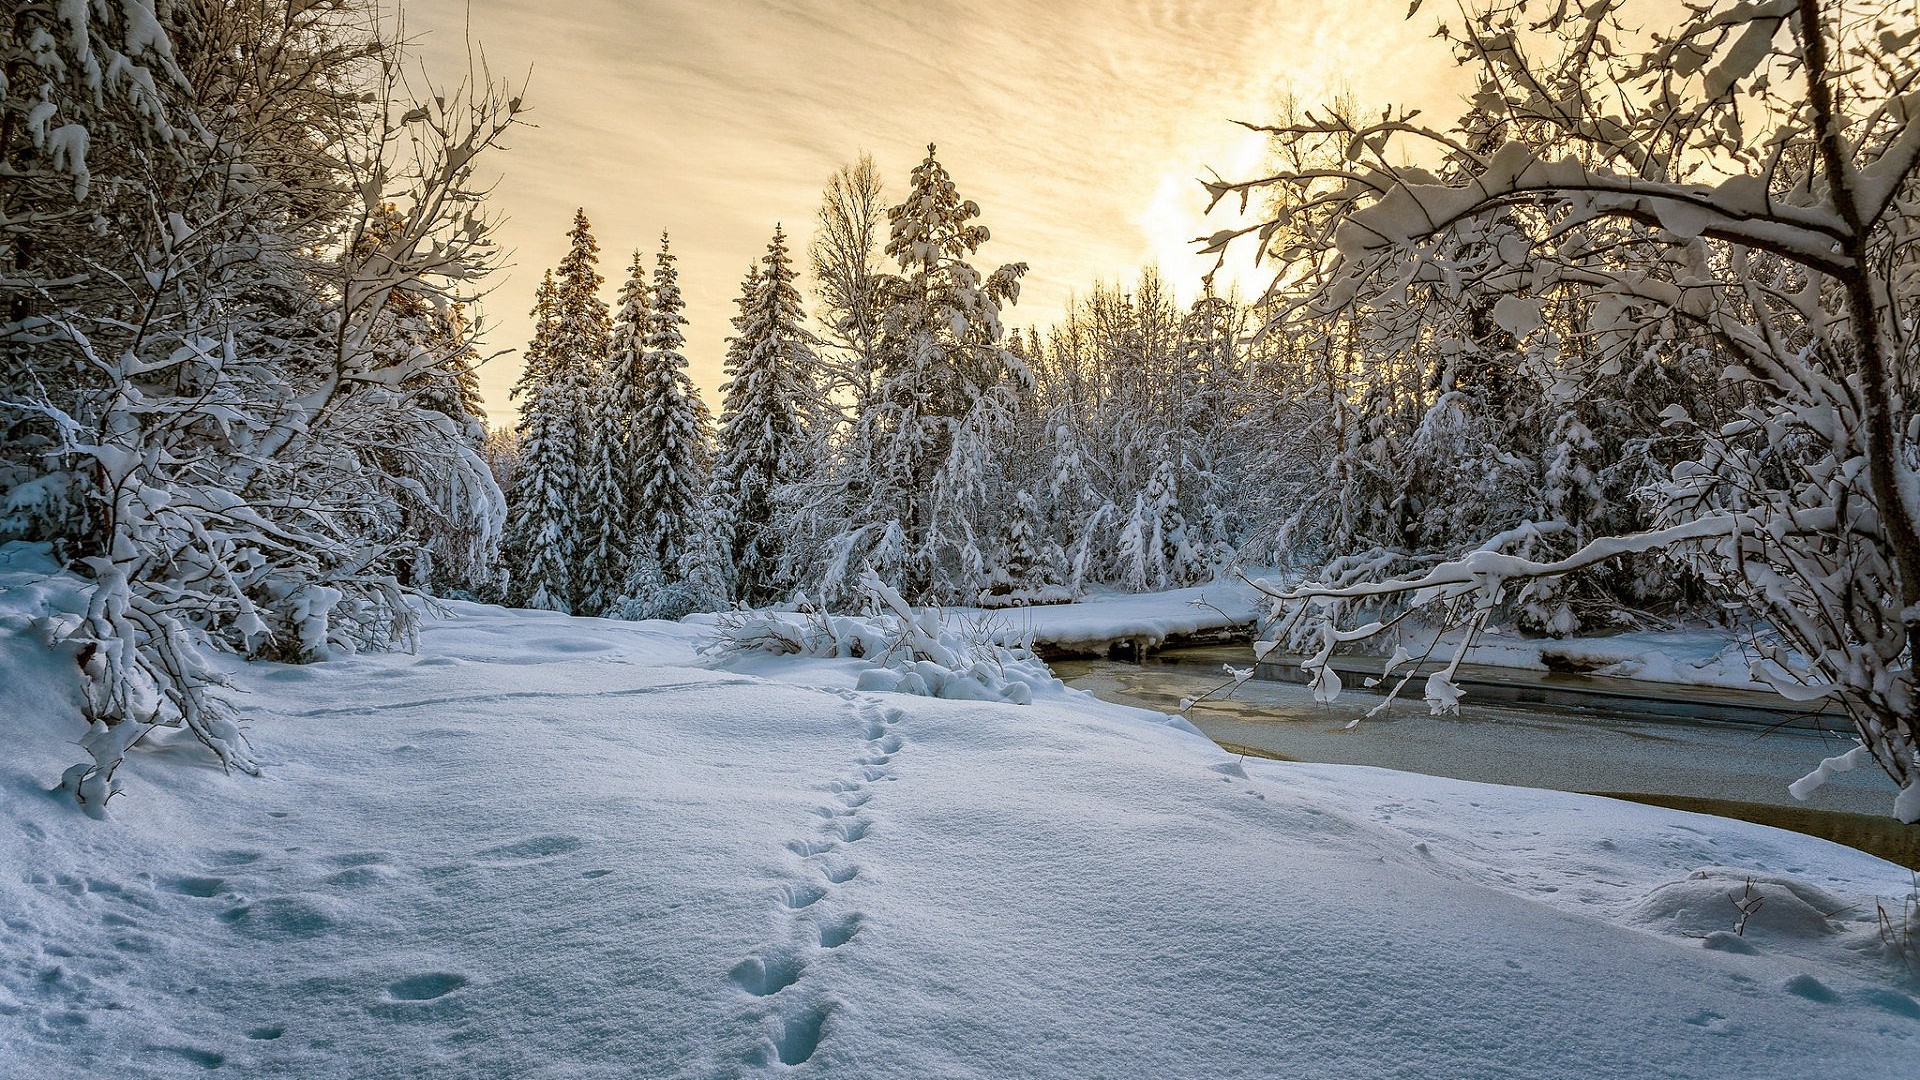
[{"x": 1532, "y": 746}]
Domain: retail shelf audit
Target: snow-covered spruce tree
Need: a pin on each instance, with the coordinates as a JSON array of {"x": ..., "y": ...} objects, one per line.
[
  {"x": 559, "y": 387},
  {"x": 672, "y": 458},
  {"x": 721, "y": 526},
  {"x": 542, "y": 518},
  {"x": 538, "y": 552},
  {"x": 1748, "y": 179},
  {"x": 763, "y": 441},
  {"x": 201, "y": 393},
  {"x": 1029, "y": 566},
  {"x": 945, "y": 386},
  {"x": 577, "y": 354},
  {"x": 612, "y": 476}
]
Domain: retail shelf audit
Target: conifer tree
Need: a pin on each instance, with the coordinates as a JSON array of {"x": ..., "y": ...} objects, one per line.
[
  {"x": 763, "y": 439},
  {"x": 535, "y": 366},
  {"x": 576, "y": 355},
  {"x": 611, "y": 487},
  {"x": 547, "y": 481},
  {"x": 946, "y": 383},
  {"x": 539, "y": 544},
  {"x": 1029, "y": 563},
  {"x": 672, "y": 453},
  {"x": 722, "y": 526}
]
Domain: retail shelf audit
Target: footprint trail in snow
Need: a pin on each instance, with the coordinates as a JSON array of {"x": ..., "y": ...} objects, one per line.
[{"x": 813, "y": 916}]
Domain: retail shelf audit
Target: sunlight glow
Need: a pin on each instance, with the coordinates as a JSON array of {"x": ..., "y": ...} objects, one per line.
[{"x": 1081, "y": 127}]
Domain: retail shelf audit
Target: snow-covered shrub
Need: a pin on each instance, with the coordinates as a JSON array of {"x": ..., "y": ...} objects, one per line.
[
  {"x": 912, "y": 651},
  {"x": 234, "y": 357},
  {"x": 649, "y": 593}
]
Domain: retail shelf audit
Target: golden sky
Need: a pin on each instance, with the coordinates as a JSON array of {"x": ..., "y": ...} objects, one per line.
[{"x": 1079, "y": 126}]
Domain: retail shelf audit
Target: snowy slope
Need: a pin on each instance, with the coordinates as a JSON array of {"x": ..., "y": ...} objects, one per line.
[{"x": 549, "y": 847}]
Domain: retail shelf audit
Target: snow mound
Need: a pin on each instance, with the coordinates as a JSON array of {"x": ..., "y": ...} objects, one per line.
[
  {"x": 1717, "y": 900},
  {"x": 913, "y": 651},
  {"x": 1095, "y": 622}
]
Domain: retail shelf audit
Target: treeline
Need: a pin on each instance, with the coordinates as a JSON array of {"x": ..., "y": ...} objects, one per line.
[
  {"x": 903, "y": 429},
  {"x": 1139, "y": 444}
]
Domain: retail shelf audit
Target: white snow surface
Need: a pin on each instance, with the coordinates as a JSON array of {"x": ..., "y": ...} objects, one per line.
[
  {"x": 554, "y": 847},
  {"x": 1099, "y": 619},
  {"x": 1693, "y": 656}
]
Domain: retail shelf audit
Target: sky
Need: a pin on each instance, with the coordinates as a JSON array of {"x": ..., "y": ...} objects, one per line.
[{"x": 1081, "y": 127}]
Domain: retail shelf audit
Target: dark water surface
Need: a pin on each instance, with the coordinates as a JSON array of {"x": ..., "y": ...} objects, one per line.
[{"x": 1738, "y": 770}]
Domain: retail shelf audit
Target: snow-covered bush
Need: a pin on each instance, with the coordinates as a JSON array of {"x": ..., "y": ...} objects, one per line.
[
  {"x": 696, "y": 585},
  {"x": 912, "y": 650},
  {"x": 234, "y": 344}
]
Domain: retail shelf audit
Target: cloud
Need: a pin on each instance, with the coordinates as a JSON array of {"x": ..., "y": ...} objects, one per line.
[{"x": 1078, "y": 125}]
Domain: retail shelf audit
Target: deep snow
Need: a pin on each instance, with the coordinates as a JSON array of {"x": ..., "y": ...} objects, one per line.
[{"x": 552, "y": 847}]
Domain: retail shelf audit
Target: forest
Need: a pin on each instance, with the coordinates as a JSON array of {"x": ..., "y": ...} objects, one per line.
[{"x": 1629, "y": 342}]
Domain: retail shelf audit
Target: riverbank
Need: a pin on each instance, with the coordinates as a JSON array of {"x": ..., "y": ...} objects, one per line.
[{"x": 1742, "y": 769}]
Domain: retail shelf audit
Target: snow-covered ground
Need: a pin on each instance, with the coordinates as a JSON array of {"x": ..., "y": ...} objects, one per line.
[
  {"x": 552, "y": 847},
  {"x": 1698, "y": 656},
  {"x": 1095, "y": 621}
]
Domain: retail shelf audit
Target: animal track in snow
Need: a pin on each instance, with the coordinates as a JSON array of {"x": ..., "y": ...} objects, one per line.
[
  {"x": 838, "y": 930},
  {"x": 764, "y": 977},
  {"x": 800, "y": 1034},
  {"x": 850, "y": 831},
  {"x": 814, "y": 924},
  {"x": 294, "y": 915},
  {"x": 358, "y": 877},
  {"x": 534, "y": 847},
  {"x": 206, "y": 1059},
  {"x": 428, "y": 986},
  {"x": 797, "y": 897},
  {"x": 201, "y": 887}
]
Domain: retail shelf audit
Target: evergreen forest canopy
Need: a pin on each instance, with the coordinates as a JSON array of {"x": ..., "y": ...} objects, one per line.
[{"x": 1630, "y": 340}]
